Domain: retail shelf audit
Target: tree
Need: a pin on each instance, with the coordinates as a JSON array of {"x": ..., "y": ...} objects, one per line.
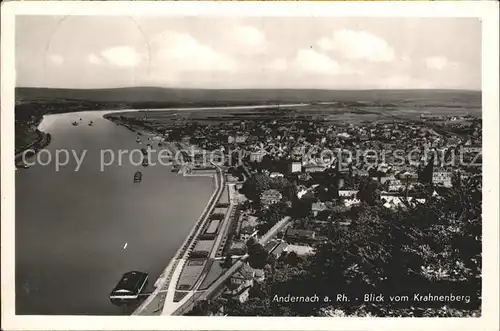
[
  {"x": 258, "y": 183},
  {"x": 302, "y": 207},
  {"x": 369, "y": 192},
  {"x": 255, "y": 185},
  {"x": 281, "y": 184},
  {"x": 252, "y": 307},
  {"x": 257, "y": 255},
  {"x": 456, "y": 180},
  {"x": 428, "y": 248},
  {"x": 292, "y": 258},
  {"x": 204, "y": 308},
  {"x": 327, "y": 193},
  {"x": 268, "y": 218},
  {"x": 267, "y": 162},
  {"x": 228, "y": 261}
]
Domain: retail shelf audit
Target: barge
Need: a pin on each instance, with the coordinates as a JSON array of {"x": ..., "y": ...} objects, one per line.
[
  {"x": 129, "y": 288},
  {"x": 137, "y": 177}
]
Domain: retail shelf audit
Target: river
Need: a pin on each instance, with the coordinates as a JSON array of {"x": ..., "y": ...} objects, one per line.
[{"x": 77, "y": 232}]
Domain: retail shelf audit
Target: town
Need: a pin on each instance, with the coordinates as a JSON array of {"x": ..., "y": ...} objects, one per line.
[{"x": 293, "y": 184}]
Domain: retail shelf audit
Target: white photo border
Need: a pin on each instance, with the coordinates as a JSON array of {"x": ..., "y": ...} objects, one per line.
[{"x": 485, "y": 10}]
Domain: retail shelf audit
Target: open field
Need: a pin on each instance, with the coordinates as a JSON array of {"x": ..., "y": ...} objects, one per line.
[
  {"x": 196, "y": 97},
  {"x": 340, "y": 112},
  {"x": 332, "y": 106}
]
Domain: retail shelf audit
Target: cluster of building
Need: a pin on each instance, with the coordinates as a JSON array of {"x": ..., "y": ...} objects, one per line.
[
  {"x": 293, "y": 240},
  {"x": 400, "y": 156},
  {"x": 308, "y": 146}
]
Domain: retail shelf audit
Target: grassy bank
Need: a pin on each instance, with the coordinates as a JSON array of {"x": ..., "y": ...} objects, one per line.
[{"x": 34, "y": 141}]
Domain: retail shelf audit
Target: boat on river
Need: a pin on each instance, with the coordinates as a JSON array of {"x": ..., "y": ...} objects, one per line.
[
  {"x": 137, "y": 177},
  {"x": 75, "y": 123},
  {"x": 129, "y": 288},
  {"x": 22, "y": 165},
  {"x": 91, "y": 123}
]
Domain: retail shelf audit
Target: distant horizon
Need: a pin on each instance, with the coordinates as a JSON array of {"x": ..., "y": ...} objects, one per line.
[{"x": 250, "y": 88}]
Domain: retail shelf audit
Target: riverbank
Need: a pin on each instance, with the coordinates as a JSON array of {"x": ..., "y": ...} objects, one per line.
[
  {"x": 42, "y": 140},
  {"x": 134, "y": 128}
]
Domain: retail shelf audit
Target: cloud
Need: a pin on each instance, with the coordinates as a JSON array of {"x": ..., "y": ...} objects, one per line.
[
  {"x": 305, "y": 61},
  {"x": 95, "y": 59},
  {"x": 121, "y": 56},
  {"x": 56, "y": 59},
  {"x": 313, "y": 62},
  {"x": 279, "y": 64},
  {"x": 358, "y": 45},
  {"x": 182, "y": 52},
  {"x": 248, "y": 39},
  {"x": 437, "y": 62},
  {"x": 326, "y": 44}
]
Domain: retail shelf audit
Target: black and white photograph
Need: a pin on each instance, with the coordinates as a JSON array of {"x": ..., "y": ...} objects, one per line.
[{"x": 238, "y": 165}]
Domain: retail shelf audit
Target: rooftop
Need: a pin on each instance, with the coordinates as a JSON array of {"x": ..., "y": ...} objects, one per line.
[
  {"x": 245, "y": 272},
  {"x": 131, "y": 282},
  {"x": 300, "y": 233}
]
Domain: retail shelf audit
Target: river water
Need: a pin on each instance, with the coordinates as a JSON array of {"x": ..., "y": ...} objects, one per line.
[{"x": 77, "y": 232}]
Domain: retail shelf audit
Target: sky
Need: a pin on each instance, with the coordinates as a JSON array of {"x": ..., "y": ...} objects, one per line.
[{"x": 248, "y": 52}]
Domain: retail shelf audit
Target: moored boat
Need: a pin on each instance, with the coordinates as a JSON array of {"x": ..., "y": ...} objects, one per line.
[
  {"x": 22, "y": 165},
  {"x": 137, "y": 177},
  {"x": 129, "y": 287}
]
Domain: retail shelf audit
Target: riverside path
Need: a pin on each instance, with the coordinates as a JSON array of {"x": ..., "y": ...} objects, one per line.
[
  {"x": 169, "y": 304},
  {"x": 168, "y": 280}
]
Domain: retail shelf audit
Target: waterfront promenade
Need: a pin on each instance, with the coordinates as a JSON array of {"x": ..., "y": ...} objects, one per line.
[
  {"x": 189, "y": 301},
  {"x": 170, "y": 306},
  {"x": 167, "y": 282},
  {"x": 226, "y": 222}
]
